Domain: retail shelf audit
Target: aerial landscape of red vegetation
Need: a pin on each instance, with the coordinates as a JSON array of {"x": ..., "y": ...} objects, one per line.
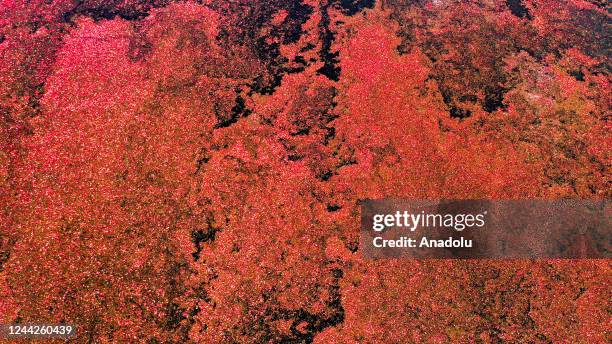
[{"x": 192, "y": 171}]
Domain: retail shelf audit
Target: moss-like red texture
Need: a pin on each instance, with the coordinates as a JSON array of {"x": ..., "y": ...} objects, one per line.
[{"x": 192, "y": 171}]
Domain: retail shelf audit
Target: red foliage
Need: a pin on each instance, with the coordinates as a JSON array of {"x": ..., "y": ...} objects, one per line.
[{"x": 192, "y": 172}]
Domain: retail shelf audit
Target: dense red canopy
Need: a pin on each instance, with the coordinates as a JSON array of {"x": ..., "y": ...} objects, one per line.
[{"x": 192, "y": 171}]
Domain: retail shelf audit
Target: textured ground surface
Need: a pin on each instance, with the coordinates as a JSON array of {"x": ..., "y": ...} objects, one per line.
[{"x": 191, "y": 171}]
